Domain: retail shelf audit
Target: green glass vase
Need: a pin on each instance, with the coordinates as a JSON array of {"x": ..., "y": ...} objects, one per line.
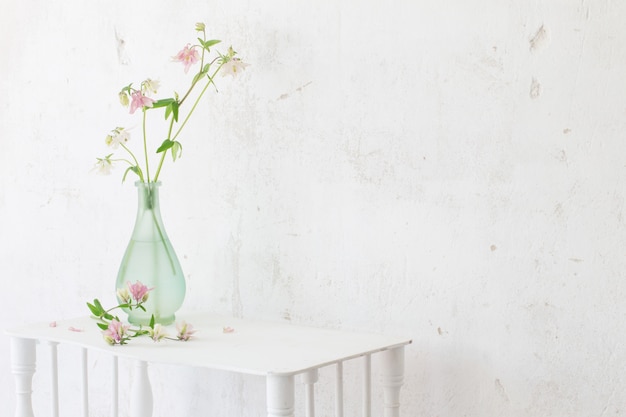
[{"x": 150, "y": 259}]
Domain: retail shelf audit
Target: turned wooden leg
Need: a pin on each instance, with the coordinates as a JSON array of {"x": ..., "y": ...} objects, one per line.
[
  {"x": 54, "y": 378},
  {"x": 141, "y": 392},
  {"x": 367, "y": 386},
  {"x": 392, "y": 379},
  {"x": 23, "y": 359},
  {"x": 309, "y": 378},
  {"x": 280, "y": 396},
  {"x": 339, "y": 390}
]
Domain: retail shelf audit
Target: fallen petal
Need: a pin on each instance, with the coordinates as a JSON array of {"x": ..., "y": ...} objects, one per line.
[
  {"x": 228, "y": 329},
  {"x": 74, "y": 329}
]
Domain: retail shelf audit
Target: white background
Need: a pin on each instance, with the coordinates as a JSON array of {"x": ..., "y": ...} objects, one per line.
[{"x": 451, "y": 171}]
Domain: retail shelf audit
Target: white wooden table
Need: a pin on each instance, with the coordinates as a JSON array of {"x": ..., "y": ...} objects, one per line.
[{"x": 277, "y": 351}]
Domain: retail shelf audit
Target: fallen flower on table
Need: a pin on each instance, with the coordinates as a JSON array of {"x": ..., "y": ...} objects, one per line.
[
  {"x": 228, "y": 329},
  {"x": 116, "y": 333},
  {"x": 157, "y": 333},
  {"x": 185, "y": 331},
  {"x": 139, "y": 291}
]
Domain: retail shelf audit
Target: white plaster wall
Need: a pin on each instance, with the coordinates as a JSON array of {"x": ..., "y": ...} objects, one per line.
[{"x": 447, "y": 170}]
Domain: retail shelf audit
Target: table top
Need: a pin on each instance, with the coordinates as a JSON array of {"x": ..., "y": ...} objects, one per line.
[{"x": 253, "y": 347}]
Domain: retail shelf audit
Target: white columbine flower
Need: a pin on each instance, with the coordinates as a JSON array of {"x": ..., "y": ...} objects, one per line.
[
  {"x": 151, "y": 86},
  {"x": 104, "y": 165},
  {"x": 117, "y": 136},
  {"x": 157, "y": 333},
  {"x": 124, "y": 295},
  {"x": 233, "y": 67}
]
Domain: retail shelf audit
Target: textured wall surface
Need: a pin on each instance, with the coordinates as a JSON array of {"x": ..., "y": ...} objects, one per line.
[{"x": 451, "y": 171}]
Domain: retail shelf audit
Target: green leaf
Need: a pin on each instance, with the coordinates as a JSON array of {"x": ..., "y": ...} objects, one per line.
[
  {"x": 103, "y": 326},
  {"x": 163, "y": 102},
  {"x": 94, "y": 310},
  {"x": 172, "y": 108},
  {"x": 141, "y": 307},
  {"x": 197, "y": 77},
  {"x": 96, "y": 302},
  {"x": 108, "y": 316},
  {"x": 177, "y": 150},
  {"x": 208, "y": 44},
  {"x": 134, "y": 169},
  {"x": 152, "y": 322},
  {"x": 165, "y": 145}
]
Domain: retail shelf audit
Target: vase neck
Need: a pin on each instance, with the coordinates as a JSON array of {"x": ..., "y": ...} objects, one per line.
[{"x": 148, "y": 195}]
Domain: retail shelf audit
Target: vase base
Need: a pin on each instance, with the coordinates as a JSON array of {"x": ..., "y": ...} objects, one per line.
[{"x": 145, "y": 320}]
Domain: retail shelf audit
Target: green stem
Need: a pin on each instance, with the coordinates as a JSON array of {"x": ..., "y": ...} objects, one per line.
[
  {"x": 132, "y": 155},
  {"x": 195, "y": 104},
  {"x": 196, "y": 82},
  {"x": 134, "y": 159},
  {"x": 169, "y": 134},
  {"x": 145, "y": 144},
  {"x": 151, "y": 206}
]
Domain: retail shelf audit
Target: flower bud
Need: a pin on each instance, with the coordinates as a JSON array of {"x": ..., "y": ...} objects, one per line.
[
  {"x": 200, "y": 27},
  {"x": 124, "y": 99}
]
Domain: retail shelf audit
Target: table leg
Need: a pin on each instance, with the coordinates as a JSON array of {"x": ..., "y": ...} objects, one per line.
[
  {"x": 280, "y": 396},
  {"x": 392, "y": 379},
  {"x": 141, "y": 392},
  {"x": 309, "y": 378},
  {"x": 23, "y": 360}
]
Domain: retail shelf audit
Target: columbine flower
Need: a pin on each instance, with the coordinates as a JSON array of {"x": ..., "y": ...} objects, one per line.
[
  {"x": 139, "y": 100},
  {"x": 124, "y": 295},
  {"x": 188, "y": 56},
  {"x": 150, "y": 86},
  {"x": 139, "y": 291},
  {"x": 104, "y": 165},
  {"x": 157, "y": 333},
  {"x": 115, "y": 333},
  {"x": 185, "y": 331},
  {"x": 124, "y": 98},
  {"x": 117, "y": 136},
  {"x": 233, "y": 67}
]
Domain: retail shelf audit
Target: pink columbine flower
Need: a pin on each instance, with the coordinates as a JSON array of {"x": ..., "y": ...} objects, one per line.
[
  {"x": 139, "y": 100},
  {"x": 188, "y": 56},
  {"x": 139, "y": 291},
  {"x": 115, "y": 333},
  {"x": 185, "y": 331}
]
